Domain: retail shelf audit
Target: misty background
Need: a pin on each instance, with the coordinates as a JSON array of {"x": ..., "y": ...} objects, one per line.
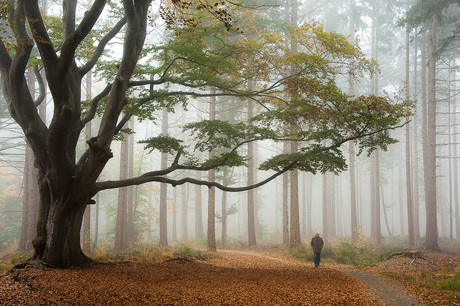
[{"x": 325, "y": 200}]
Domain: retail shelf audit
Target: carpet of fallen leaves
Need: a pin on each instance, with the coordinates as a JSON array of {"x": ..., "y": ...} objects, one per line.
[
  {"x": 230, "y": 278},
  {"x": 224, "y": 278}
]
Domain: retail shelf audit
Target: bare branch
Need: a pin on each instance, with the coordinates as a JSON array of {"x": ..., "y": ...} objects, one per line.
[{"x": 173, "y": 182}]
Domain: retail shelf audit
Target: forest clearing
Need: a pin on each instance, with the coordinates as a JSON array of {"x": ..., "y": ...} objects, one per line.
[
  {"x": 184, "y": 152},
  {"x": 233, "y": 278}
]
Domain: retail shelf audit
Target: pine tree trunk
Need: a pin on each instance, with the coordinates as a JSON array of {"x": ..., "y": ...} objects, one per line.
[
  {"x": 252, "y": 237},
  {"x": 410, "y": 212},
  {"x": 285, "y": 202},
  {"x": 224, "y": 219},
  {"x": 198, "y": 210},
  {"x": 325, "y": 204},
  {"x": 184, "y": 213},
  {"x": 164, "y": 187},
  {"x": 212, "y": 191},
  {"x": 121, "y": 238},
  {"x": 430, "y": 166},
  {"x": 130, "y": 191}
]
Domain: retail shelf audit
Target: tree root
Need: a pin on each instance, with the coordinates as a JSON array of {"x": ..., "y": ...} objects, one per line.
[
  {"x": 25, "y": 280},
  {"x": 35, "y": 264},
  {"x": 180, "y": 259}
]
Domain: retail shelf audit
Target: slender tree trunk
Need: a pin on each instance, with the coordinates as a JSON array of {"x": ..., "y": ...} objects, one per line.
[
  {"x": 402, "y": 210},
  {"x": 184, "y": 214},
  {"x": 212, "y": 191},
  {"x": 410, "y": 213},
  {"x": 455, "y": 166},
  {"x": 252, "y": 238},
  {"x": 451, "y": 144},
  {"x": 332, "y": 222},
  {"x": 121, "y": 239},
  {"x": 285, "y": 202},
  {"x": 304, "y": 205},
  {"x": 309, "y": 190},
  {"x": 164, "y": 187},
  {"x": 294, "y": 239},
  {"x": 351, "y": 152},
  {"x": 353, "y": 210},
  {"x": 174, "y": 215},
  {"x": 385, "y": 217},
  {"x": 326, "y": 193},
  {"x": 130, "y": 209},
  {"x": 224, "y": 219},
  {"x": 415, "y": 153},
  {"x": 198, "y": 210},
  {"x": 96, "y": 223},
  {"x": 373, "y": 196},
  {"x": 430, "y": 166}
]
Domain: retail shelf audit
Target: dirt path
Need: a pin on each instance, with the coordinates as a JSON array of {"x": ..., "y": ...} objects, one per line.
[{"x": 383, "y": 290}]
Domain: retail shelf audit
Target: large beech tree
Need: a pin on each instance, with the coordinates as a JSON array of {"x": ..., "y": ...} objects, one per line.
[{"x": 207, "y": 56}]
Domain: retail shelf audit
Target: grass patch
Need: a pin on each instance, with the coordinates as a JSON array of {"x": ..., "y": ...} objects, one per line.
[
  {"x": 10, "y": 257},
  {"x": 148, "y": 252}
]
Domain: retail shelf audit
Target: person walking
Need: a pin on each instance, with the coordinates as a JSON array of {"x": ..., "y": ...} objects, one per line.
[{"x": 317, "y": 245}]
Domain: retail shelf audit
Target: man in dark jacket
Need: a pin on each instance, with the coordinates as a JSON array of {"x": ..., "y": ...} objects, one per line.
[{"x": 317, "y": 245}]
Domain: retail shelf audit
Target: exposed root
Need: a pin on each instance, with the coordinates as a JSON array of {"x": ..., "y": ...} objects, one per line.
[
  {"x": 180, "y": 259},
  {"x": 25, "y": 280},
  {"x": 35, "y": 264}
]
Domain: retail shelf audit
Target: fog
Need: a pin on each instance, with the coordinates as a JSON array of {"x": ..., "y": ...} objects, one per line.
[{"x": 322, "y": 197}]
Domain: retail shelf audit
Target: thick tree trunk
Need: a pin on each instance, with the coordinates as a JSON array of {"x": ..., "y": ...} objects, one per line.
[
  {"x": 87, "y": 215},
  {"x": 58, "y": 238}
]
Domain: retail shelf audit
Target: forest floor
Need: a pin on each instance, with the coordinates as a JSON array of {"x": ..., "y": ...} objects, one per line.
[{"x": 230, "y": 278}]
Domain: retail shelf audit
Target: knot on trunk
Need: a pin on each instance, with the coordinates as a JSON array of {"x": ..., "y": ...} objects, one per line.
[
  {"x": 99, "y": 147},
  {"x": 39, "y": 244}
]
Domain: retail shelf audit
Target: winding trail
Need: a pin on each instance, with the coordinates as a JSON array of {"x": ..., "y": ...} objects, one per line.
[{"x": 385, "y": 291}]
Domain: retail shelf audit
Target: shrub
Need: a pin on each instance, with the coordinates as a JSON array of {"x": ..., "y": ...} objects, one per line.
[{"x": 184, "y": 251}]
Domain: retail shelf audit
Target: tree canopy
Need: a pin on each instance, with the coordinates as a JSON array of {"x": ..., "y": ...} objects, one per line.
[{"x": 206, "y": 55}]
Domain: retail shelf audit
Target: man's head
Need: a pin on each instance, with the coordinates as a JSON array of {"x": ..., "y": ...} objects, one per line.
[{"x": 317, "y": 234}]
